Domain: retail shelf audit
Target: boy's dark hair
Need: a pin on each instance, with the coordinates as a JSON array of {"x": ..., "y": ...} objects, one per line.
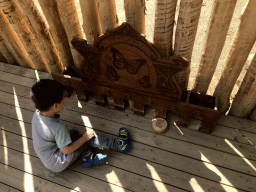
[{"x": 46, "y": 92}]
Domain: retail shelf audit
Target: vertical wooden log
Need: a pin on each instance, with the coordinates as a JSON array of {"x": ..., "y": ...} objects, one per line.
[
  {"x": 240, "y": 49},
  {"x": 41, "y": 34},
  {"x": 16, "y": 47},
  {"x": 108, "y": 15},
  {"x": 221, "y": 16},
  {"x": 7, "y": 54},
  {"x": 91, "y": 20},
  {"x": 72, "y": 26},
  {"x": 186, "y": 34},
  {"x": 245, "y": 99},
  {"x": 20, "y": 26},
  {"x": 164, "y": 21},
  {"x": 57, "y": 30},
  {"x": 135, "y": 14}
]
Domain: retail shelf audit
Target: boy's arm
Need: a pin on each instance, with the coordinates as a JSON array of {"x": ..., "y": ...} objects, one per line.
[{"x": 72, "y": 147}]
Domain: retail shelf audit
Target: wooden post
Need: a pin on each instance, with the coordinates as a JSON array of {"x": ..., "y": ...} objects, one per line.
[
  {"x": 16, "y": 47},
  {"x": 91, "y": 20},
  {"x": 20, "y": 26},
  {"x": 135, "y": 14},
  {"x": 72, "y": 26},
  {"x": 221, "y": 16},
  {"x": 57, "y": 30},
  {"x": 240, "y": 49},
  {"x": 185, "y": 34},
  {"x": 164, "y": 21},
  {"x": 108, "y": 15},
  {"x": 245, "y": 99},
  {"x": 41, "y": 33},
  {"x": 8, "y": 57}
]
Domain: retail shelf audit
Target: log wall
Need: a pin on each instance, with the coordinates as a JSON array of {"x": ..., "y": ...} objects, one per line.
[{"x": 42, "y": 39}]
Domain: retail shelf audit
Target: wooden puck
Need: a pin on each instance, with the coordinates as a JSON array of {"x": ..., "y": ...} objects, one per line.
[{"x": 159, "y": 125}]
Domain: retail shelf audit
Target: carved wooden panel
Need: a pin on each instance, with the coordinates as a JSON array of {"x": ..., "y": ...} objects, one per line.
[{"x": 124, "y": 65}]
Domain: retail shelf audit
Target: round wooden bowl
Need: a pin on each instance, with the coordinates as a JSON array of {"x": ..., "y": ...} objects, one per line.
[{"x": 159, "y": 125}]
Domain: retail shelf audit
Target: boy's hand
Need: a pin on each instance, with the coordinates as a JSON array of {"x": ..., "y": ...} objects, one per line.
[{"x": 89, "y": 134}]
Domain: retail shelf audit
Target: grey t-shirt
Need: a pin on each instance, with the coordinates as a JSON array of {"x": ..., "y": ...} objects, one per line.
[{"x": 49, "y": 134}]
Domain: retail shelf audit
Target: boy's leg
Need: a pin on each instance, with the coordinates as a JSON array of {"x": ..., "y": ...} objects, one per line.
[{"x": 121, "y": 143}]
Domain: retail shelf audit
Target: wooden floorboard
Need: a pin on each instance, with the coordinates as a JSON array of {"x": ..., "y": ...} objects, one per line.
[{"x": 182, "y": 159}]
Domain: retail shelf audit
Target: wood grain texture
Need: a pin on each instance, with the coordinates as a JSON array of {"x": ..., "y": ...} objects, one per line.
[
  {"x": 240, "y": 49},
  {"x": 147, "y": 166},
  {"x": 72, "y": 26},
  {"x": 185, "y": 35},
  {"x": 52, "y": 13},
  {"x": 91, "y": 20},
  {"x": 135, "y": 14},
  {"x": 220, "y": 20},
  {"x": 108, "y": 15},
  {"x": 15, "y": 46},
  {"x": 245, "y": 99},
  {"x": 164, "y": 23},
  {"x": 41, "y": 33}
]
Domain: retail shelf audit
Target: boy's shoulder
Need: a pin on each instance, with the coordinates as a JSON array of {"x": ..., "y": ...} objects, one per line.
[{"x": 51, "y": 124}]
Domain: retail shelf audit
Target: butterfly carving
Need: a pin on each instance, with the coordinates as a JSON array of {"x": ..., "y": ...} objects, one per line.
[{"x": 120, "y": 62}]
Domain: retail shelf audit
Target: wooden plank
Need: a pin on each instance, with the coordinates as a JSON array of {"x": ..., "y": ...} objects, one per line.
[
  {"x": 157, "y": 155},
  {"x": 136, "y": 165},
  {"x": 16, "y": 47},
  {"x": 220, "y": 20},
  {"x": 240, "y": 49},
  {"x": 127, "y": 180},
  {"x": 186, "y": 34},
  {"x": 4, "y": 188},
  {"x": 13, "y": 177}
]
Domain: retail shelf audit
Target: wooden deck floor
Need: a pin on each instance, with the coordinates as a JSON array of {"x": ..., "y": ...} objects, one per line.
[{"x": 182, "y": 159}]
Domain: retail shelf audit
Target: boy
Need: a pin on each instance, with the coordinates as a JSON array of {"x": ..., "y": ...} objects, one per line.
[{"x": 58, "y": 148}]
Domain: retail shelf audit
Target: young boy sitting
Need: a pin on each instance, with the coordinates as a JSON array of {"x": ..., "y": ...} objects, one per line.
[{"x": 57, "y": 147}]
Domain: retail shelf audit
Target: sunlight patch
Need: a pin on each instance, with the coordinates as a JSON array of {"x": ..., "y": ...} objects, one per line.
[
  {"x": 28, "y": 178},
  {"x": 113, "y": 178},
  {"x": 77, "y": 189},
  {"x": 79, "y": 104},
  {"x": 214, "y": 169},
  {"x": 37, "y": 75},
  {"x": 178, "y": 128},
  {"x": 240, "y": 154},
  {"x": 5, "y": 150},
  {"x": 195, "y": 185},
  {"x": 86, "y": 121},
  {"x": 159, "y": 185}
]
